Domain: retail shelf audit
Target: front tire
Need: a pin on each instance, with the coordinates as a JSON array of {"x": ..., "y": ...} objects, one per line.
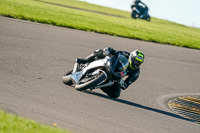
[
  {"x": 133, "y": 14},
  {"x": 91, "y": 83}
]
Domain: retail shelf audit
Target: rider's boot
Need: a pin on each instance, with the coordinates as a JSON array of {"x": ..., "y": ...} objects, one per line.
[
  {"x": 88, "y": 59},
  {"x": 81, "y": 61}
]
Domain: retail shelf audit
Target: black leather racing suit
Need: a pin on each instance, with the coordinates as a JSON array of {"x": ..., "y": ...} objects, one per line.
[
  {"x": 137, "y": 3},
  {"x": 114, "y": 90}
]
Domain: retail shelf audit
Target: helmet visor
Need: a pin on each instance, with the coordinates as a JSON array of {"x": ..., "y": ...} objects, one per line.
[{"x": 135, "y": 63}]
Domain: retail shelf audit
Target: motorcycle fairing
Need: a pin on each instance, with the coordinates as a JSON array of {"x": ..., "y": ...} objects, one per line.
[
  {"x": 76, "y": 76},
  {"x": 116, "y": 64}
]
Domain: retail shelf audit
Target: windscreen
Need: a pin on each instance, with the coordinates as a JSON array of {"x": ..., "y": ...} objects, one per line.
[{"x": 123, "y": 63}]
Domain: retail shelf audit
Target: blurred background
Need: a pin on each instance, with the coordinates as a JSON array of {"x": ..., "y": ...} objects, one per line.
[{"x": 184, "y": 12}]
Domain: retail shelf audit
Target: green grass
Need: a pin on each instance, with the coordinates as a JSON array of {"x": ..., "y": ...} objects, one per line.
[
  {"x": 10, "y": 123},
  {"x": 159, "y": 31},
  {"x": 88, "y": 6}
]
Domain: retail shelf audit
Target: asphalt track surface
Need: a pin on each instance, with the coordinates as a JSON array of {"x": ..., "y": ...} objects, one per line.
[{"x": 33, "y": 58}]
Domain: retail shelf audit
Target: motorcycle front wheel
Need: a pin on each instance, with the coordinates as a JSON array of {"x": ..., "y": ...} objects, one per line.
[
  {"x": 133, "y": 15},
  {"x": 85, "y": 85}
]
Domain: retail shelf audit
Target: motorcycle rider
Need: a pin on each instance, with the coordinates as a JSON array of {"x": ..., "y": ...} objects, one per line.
[
  {"x": 135, "y": 58},
  {"x": 144, "y": 10}
]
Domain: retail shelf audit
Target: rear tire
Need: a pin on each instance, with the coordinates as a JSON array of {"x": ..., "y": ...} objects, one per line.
[
  {"x": 148, "y": 18},
  {"x": 91, "y": 83},
  {"x": 66, "y": 78}
]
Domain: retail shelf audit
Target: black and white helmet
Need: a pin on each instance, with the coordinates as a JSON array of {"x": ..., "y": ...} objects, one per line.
[{"x": 136, "y": 58}]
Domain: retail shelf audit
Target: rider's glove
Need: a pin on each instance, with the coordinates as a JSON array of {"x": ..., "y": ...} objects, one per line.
[
  {"x": 122, "y": 84},
  {"x": 107, "y": 50}
]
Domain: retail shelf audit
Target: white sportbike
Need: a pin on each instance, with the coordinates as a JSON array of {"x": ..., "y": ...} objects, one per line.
[{"x": 97, "y": 74}]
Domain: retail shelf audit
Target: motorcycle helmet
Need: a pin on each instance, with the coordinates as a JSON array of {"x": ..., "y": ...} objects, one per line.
[{"x": 136, "y": 58}]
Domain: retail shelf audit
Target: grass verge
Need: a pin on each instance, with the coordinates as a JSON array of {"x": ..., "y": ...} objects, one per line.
[
  {"x": 59, "y": 14},
  {"x": 10, "y": 123}
]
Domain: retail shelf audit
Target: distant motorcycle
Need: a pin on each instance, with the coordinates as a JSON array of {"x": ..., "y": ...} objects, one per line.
[
  {"x": 138, "y": 13},
  {"x": 97, "y": 74}
]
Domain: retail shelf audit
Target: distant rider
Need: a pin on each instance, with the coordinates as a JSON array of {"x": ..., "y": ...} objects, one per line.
[
  {"x": 135, "y": 58},
  {"x": 141, "y": 7}
]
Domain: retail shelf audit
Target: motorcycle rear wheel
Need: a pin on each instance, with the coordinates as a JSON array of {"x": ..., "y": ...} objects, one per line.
[
  {"x": 148, "y": 18},
  {"x": 67, "y": 79},
  {"x": 81, "y": 87}
]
